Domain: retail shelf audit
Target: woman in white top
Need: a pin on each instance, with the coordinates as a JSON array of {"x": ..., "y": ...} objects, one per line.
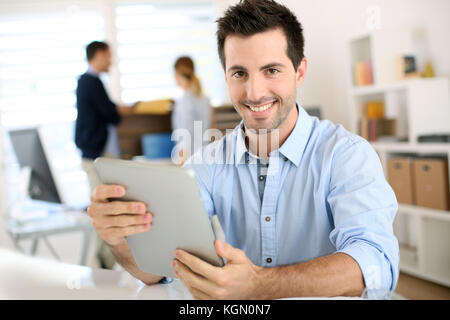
[{"x": 191, "y": 106}]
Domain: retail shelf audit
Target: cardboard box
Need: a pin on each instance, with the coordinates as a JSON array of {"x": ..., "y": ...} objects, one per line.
[
  {"x": 431, "y": 183},
  {"x": 401, "y": 178}
]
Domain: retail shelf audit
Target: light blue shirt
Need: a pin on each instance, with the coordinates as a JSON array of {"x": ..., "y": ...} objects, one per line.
[
  {"x": 187, "y": 109},
  {"x": 324, "y": 192}
]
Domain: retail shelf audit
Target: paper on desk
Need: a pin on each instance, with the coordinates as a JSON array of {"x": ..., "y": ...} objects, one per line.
[{"x": 162, "y": 106}]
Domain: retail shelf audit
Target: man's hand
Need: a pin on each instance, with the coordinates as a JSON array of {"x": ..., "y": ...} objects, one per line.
[
  {"x": 238, "y": 279},
  {"x": 117, "y": 219},
  {"x": 127, "y": 110}
]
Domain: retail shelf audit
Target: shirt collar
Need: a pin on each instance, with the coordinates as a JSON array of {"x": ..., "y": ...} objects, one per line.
[
  {"x": 292, "y": 148},
  {"x": 92, "y": 71},
  {"x": 241, "y": 148}
]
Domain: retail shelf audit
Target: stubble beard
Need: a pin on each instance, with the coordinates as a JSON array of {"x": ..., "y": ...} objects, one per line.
[{"x": 284, "y": 108}]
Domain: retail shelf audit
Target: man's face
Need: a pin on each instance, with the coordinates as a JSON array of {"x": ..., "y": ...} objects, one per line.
[
  {"x": 261, "y": 78},
  {"x": 104, "y": 59}
]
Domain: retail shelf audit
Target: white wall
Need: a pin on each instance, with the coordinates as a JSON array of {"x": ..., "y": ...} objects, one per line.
[{"x": 328, "y": 24}]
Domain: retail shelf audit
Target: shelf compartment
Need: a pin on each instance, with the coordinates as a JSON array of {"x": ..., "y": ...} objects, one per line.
[
  {"x": 419, "y": 148},
  {"x": 436, "y": 248},
  {"x": 409, "y": 259}
]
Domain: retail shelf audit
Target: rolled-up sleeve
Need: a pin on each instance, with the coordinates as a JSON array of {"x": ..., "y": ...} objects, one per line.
[{"x": 363, "y": 206}]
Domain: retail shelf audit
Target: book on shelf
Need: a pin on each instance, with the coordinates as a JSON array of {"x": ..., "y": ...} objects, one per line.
[
  {"x": 374, "y": 109},
  {"x": 374, "y": 129},
  {"x": 364, "y": 128},
  {"x": 373, "y": 123},
  {"x": 363, "y": 73}
]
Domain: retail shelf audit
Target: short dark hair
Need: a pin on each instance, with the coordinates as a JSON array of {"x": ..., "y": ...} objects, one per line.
[
  {"x": 93, "y": 47},
  {"x": 249, "y": 17}
]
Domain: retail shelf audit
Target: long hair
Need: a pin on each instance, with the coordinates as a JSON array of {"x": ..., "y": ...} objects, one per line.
[{"x": 184, "y": 66}]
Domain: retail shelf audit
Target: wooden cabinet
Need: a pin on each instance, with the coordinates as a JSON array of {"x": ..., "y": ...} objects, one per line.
[
  {"x": 224, "y": 117},
  {"x": 132, "y": 127}
]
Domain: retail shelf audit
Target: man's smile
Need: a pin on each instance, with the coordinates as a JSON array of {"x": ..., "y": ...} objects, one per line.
[{"x": 262, "y": 109}]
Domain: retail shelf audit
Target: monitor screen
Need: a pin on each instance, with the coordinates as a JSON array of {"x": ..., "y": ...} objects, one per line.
[{"x": 30, "y": 153}]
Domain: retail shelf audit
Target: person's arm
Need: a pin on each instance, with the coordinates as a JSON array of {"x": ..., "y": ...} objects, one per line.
[
  {"x": 125, "y": 258},
  {"x": 104, "y": 106},
  {"x": 332, "y": 275},
  {"x": 328, "y": 276},
  {"x": 115, "y": 220},
  {"x": 363, "y": 207},
  {"x": 127, "y": 110}
]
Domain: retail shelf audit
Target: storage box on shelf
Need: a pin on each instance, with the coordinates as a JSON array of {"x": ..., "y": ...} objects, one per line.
[
  {"x": 421, "y": 181},
  {"x": 431, "y": 183},
  {"x": 400, "y": 177},
  {"x": 417, "y": 107}
]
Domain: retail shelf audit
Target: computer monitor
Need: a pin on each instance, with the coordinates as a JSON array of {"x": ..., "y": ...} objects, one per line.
[
  {"x": 314, "y": 111},
  {"x": 31, "y": 153}
]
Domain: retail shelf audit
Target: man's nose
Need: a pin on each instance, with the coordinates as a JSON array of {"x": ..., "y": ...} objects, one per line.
[{"x": 255, "y": 88}]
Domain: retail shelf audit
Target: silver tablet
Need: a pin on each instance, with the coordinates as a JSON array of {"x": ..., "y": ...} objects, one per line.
[{"x": 179, "y": 216}]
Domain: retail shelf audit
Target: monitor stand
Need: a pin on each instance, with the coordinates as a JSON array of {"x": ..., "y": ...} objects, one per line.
[{"x": 25, "y": 208}]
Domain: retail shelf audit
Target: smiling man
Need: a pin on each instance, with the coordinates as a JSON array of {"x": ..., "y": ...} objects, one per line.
[{"x": 304, "y": 204}]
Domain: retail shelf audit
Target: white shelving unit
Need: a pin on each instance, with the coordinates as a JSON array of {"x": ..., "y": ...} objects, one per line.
[
  {"x": 420, "y": 106},
  {"x": 425, "y": 239}
]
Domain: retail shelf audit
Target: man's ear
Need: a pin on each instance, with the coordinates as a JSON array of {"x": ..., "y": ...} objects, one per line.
[{"x": 301, "y": 72}]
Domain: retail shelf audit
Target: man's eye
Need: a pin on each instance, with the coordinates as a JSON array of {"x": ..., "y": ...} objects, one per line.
[
  {"x": 272, "y": 71},
  {"x": 238, "y": 74}
]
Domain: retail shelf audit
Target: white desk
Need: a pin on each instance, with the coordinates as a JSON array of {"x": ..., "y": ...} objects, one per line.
[{"x": 25, "y": 277}]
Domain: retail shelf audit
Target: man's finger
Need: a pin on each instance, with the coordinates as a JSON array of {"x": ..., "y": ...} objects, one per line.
[
  {"x": 124, "y": 231},
  {"x": 116, "y": 207},
  {"x": 105, "y": 191},
  {"x": 199, "y": 295},
  {"x": 122, "y": 220},
  {"x": 193, "y": 280},
  {"x": 230, "y": 253},
  {"x": 197, "y": 265}
]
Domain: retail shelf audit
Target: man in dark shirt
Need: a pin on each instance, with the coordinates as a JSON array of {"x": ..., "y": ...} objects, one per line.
[{"x": 96, "y": 112}]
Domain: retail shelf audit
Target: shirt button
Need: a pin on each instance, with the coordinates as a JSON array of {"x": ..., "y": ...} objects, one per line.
[
  {"x": 269, "y": 260},
  {"x": 261, "y": 178},
  {"x": 285, "y": 159},
  {"x": 267, "y": 219}
]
